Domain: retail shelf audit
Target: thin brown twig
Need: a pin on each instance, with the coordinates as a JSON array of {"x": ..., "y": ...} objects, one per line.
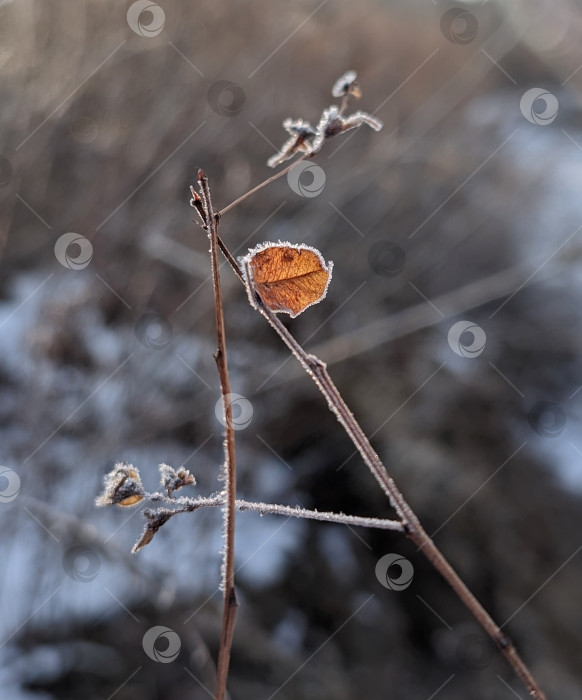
[
  {"x": 225, "y": 251},
  {"x": 264, "y": 184},
  {"x": 230, "y": 601},
  {"x": 317, "y": 370}
]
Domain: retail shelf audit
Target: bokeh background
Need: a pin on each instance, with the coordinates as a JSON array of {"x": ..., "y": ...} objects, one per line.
[{"x": 465, "y": 207}]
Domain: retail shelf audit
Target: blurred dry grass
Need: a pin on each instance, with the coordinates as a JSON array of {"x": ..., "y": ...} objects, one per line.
[{"x": 104, "y": 130}]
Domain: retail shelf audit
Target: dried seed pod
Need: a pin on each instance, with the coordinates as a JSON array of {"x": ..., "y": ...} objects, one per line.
[
  {"x": 155, "y": 519},
  {"x": 173, "y": 479},
  {"x": 300, "y": 135},
  {"x": 123, "y": 487},
  {"x": 347, "y": 85},
  {"x": 332, "y": 123}
]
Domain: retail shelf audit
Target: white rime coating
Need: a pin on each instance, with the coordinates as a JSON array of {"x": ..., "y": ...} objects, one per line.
[
  {"x": 122, "y": 482},
  {"x": 224, "y": 532},
  {"x": 298, "y": 127},
  {"x": 300, "y": 135},
  {"x": 248, "y": 275},
  {"x": 303, "y": 138},
  {"x": 333, "y": 123},
  {"x": 358, "y": 118},
  {"x": 343, "y": 84}
]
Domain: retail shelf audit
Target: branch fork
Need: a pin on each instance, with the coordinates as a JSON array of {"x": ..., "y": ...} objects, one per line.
[{"x": 124, "y": 485}]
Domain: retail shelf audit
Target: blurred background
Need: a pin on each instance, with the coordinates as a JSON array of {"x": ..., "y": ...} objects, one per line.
[{"x": 452, "y": 327}]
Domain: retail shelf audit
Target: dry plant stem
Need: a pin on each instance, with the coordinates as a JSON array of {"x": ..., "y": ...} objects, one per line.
[
  {"x": 317, "y": 370},
  {"x": 188, "y": 505},
  {"x": 325, "y": 516},
  {"x": 231, "y": 260},
  {"x": 230, "y": 602},
  {"x": 263, "y": 184}
]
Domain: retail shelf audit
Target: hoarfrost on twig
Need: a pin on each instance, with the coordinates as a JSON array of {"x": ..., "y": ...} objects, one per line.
[
  {"x": 303, "y": 138},
  {"x": 299, "y": 141},
  {"x": 333, "y": 123},
  {"x": 347, "y": 85}
]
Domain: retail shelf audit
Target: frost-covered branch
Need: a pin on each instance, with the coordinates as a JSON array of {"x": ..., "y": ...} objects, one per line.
[
  {"x": 166, "y": 506},
  {"x": 158, "y": 517}
]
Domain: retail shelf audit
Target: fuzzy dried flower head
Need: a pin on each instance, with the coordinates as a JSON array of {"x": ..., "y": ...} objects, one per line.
[
  {"x": 299, "y": 141},
  {"x": 347, "y": 85},
  {"x": 174, "y": 479},
  {"x": 303, "y": 138},
  {"x": 332, "y": 123},
  {"x": 123, "y": 487}
]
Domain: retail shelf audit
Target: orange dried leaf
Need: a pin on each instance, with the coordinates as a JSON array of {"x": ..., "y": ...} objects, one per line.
[{"x": 289, "y": 278}]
